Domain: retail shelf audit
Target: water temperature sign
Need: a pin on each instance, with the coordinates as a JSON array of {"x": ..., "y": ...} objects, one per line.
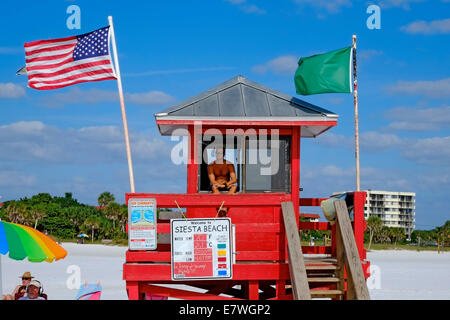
[
  {"x": 201, "y": 249},
  {"x": 142, "y": 224}
]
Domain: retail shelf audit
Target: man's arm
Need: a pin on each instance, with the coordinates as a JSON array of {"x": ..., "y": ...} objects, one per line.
[{"x": 233, "y": 178}]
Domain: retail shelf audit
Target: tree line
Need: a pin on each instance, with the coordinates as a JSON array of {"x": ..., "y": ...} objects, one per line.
[
  {"x": 378, "y": 233},
  {"x": 64, "y": 218}
]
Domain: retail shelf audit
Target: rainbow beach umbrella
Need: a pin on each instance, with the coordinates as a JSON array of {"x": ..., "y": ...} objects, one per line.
[
  {"x": 22, "y": 242},
  {"x": 25, "y": 242}
]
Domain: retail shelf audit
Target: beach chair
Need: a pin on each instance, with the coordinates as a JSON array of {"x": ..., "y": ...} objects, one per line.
[{"x": 89, "y": 291}]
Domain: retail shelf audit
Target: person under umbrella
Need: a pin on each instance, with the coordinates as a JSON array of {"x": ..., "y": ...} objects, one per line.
[
  {"x": 34, "y": 291},
  {"x": 19, "y": 289}
]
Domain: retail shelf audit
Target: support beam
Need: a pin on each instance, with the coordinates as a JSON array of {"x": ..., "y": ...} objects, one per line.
[
  {"x": 133, "y": 290},
  {"x": 356, "y": 282},
  {"x": 297, "y": 269}
]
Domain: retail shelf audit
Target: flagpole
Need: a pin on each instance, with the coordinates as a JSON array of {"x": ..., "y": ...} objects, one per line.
[
  {"x": 122, "y": 103},
  {"x": 355, "y": 101}
]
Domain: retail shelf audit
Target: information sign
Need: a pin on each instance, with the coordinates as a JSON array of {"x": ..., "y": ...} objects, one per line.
[{"x": 201, "y": 249}]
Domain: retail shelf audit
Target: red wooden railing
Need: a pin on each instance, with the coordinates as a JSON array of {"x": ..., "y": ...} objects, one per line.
[{"x": 358, "y": 224}]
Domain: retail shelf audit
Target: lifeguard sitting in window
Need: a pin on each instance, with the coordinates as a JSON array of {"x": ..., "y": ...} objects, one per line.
[{"x": 221, "y": 174}]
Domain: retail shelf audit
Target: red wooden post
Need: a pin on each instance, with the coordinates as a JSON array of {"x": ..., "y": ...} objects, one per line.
[
  {"x": 253, "y": 290},
  {"x": 280, "y": 289},
  {"x": 358, "y": 222},
  {"x": 295, "y": 170},
  {"x": 192, "y": 166},
  {"x": 133, "y": 290}
]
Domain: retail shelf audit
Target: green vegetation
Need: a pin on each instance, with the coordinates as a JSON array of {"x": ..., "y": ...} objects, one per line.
[
  {"x": 63, "y": 218},
  {"x": 382, "y": 237},
  {"x": 379, "y": 237}
]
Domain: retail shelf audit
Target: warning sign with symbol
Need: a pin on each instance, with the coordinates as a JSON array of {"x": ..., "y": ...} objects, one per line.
[
  {"x": 201, "y": 249},
  {"x": 142, "y": 224}
]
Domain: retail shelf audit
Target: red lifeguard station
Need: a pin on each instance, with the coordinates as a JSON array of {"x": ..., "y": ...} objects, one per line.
[{"x": 261, "y": 130}]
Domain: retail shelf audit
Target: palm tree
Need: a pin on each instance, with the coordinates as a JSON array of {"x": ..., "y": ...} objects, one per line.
[
  {"x": 374, "y": 225},
  {"x": 105, "y": 198},
  {"x": 123, "y": 218},
  {"x": 92, "y": 222},
  {"x": 36, "y": 214},
  {"x": 113, "y": 212},
  {"x": 16, "y": 212},
  {"x": 397, "y": 234}
]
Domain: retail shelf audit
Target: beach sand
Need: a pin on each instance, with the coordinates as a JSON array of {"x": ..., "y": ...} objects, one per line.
[{"x": 400, "y": 275}]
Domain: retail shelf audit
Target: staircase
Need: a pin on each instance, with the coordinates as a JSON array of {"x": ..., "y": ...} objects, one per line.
[
  {"x": 323, "y": 274},
  {"x": 323, "y": 277}
]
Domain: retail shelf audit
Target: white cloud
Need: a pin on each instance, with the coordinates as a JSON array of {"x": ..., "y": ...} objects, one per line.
[
  {"x": 247, "y": 8},
  {"x": 281, "y": 65},
  {"x": 368, "y": 54},
  {"x": 427, "y": 28},
  {"x": 34, "y": 141},
  {"x": 11, "y": 91},
  {"x": 253, "y": 9},
  {"x": 419, "y": 119},
  {"x": 150, "y": 98},
  {"x": 94, "y": 96},
  {"x": 320, "y": 181},
  {"x": 14, "y": 178},
  {"x": 330, "y": 6},
  {"x": 334, "y": 171},
  {"x": 431, "y": 89},
  {"x": 376, "y": 141},
  {"x": 78, "y": 96},
  {"x": 434, "y": 151},
  {"x": 403, "y": 4},
  {"x": 331, "y": 139},
  {"x": 370, "y": 141}
]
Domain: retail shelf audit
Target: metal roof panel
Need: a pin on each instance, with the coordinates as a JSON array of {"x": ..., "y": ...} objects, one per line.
[
  {"x": 242, "y": 98},
  {"x": 231, "y": 102},
  {"x": 255, "y": 102}
]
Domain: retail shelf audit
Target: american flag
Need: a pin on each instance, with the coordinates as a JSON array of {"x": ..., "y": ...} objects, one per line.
[{"x": 53, "y": 64}]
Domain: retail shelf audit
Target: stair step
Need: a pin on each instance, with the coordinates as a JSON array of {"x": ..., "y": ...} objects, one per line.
[
  {"x": 323, "y": 279},
  {"x": 325, "y": 293},
  {"x": 321, "y": 273},
  {"x": 322, "y": 267}
]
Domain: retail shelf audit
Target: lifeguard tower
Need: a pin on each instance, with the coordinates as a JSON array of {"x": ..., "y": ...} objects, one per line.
[{"x": 261, "y": 130}]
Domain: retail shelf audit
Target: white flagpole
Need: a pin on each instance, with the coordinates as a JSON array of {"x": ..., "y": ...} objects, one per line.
[
  {"x": 355, "y": 100},
  {"x": 122, "y": 103}
]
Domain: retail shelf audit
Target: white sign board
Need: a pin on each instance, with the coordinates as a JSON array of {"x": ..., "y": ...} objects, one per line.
[
  {"x": 201, "y": 249},
  {"x": 142, "y": 224}
]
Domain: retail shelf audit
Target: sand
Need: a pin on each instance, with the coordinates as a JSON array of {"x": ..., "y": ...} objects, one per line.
[{"x": 400, "y": 275}]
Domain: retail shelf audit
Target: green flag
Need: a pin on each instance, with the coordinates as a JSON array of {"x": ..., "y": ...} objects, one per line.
[{"x": 324, "y": 73}]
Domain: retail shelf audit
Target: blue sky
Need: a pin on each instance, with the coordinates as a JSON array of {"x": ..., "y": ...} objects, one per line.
[{"x": 71, "y": 139}]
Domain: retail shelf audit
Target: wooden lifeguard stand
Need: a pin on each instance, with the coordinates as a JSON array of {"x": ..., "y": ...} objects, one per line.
[{"x": 254, "y": 122}]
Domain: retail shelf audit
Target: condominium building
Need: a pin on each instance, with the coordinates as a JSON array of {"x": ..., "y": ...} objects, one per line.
[{"x": 395, "y": 209}]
